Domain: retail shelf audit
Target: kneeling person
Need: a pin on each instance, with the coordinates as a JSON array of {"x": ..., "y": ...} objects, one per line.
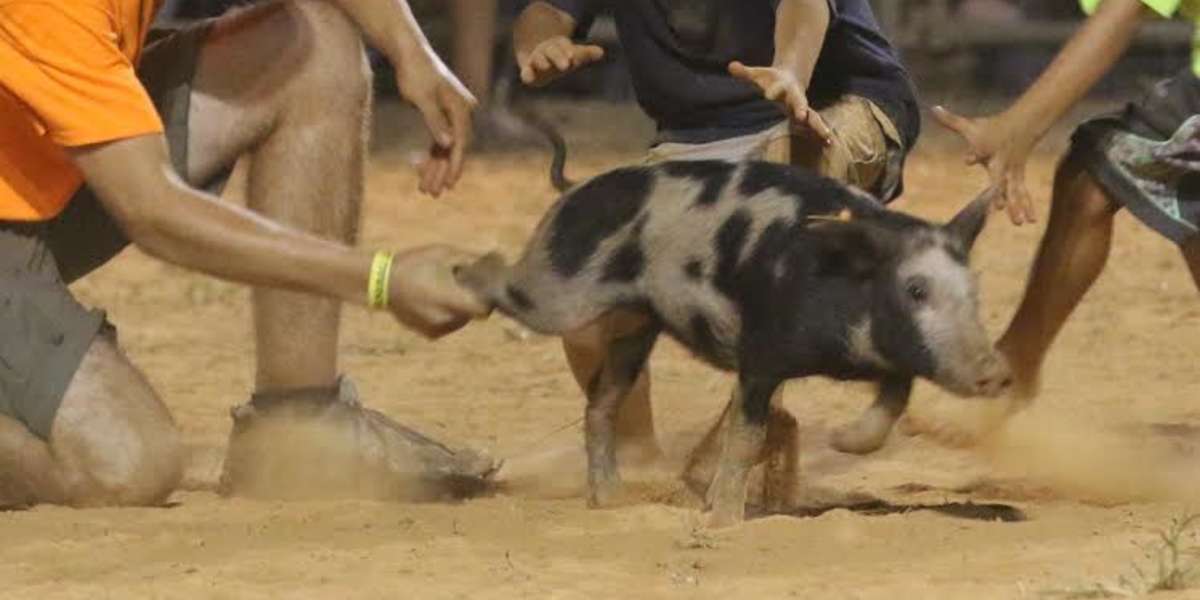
[{"x": 91, "y": 159}]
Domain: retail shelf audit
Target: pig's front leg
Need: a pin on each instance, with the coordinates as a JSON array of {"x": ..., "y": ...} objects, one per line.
[
  {"x": 868, "y": 433},
  {"x": 623, "y": 362},
  {"x": 745, "y": 433}
]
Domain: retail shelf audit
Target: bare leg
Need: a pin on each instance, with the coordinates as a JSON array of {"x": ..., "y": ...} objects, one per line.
[
  {"x": 744, "y": 436},
  {"x": 623, "y": 364},
  {"x": 586, "y": 351},
  {"x": 112, "y": 442},
  {"x": 1070, "y": 258},
  {"x": 1191, "y": 254},
  {"x": 474, "y": 38},
  {"x": 288, "y": 82}
]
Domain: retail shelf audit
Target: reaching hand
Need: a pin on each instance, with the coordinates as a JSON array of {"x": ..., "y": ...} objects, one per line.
[
  {"x": 1003, "y": 148},
  {"x": 446, "y": 106},
  {"x": 781, "y": 85},
  {"x": 554, "y": 58},
  {"x": 424, "y": 294}
]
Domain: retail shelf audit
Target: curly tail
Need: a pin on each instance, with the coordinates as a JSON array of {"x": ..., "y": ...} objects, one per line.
[{"x": 559, "y": 145}]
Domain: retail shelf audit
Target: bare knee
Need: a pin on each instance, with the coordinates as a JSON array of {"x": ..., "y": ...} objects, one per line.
[
  {"x": 114, "y": 439},
  {"x": 1078, "y": 196}
]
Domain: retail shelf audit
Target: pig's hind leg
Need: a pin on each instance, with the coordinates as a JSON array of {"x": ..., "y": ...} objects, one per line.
[{"x": 624, "y": 359}]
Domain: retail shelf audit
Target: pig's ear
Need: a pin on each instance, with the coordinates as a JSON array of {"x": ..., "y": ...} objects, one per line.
[
  {"x": 966, "y": 225},
  {"x": 851, "y": 248}
]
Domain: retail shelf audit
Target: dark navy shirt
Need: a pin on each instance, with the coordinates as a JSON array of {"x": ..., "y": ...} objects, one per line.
[{"x": 679, "y": 51}]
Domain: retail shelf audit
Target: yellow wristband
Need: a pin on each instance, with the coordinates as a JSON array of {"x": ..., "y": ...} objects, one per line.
[{"x": 377, "y": 284}]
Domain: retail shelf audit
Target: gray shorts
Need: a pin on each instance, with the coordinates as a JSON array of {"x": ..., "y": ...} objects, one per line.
[
  {"x": 866, "y": 150},
  {"x": 44, "y": 330},
  {"x": 1147, "y": 156}
]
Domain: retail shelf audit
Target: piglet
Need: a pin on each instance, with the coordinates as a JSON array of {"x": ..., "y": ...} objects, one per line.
[{"x": 762, "y": 269}]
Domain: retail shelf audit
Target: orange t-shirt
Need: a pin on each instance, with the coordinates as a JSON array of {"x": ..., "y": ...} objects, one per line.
[{"x": 66, "y": 79}]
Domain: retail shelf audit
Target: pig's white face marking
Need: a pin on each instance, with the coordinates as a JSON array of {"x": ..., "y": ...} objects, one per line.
[{"x": 941, "y": 294}]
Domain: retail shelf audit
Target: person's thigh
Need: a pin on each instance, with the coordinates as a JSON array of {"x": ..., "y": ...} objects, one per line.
[
  {"x": 44, "y": 331},
  {"x": 270, "y": 65},
  {"x": 860, "y": 152},
  {"x": 78, "y": 424}
]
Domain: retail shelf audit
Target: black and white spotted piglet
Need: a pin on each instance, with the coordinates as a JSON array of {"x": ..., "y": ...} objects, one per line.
[{"x": 750, "y": 267}]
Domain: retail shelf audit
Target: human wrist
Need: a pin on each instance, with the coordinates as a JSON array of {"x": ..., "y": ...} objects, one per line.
[
  {"x": 379, "y": 280},
  {"x": 406, "y": 48},
  {"x": 1019, "y": 129}
]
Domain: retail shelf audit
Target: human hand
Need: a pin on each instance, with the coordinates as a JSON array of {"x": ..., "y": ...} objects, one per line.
[
  {"x": 446, "y": 106},
  {"x": 781, "y": 85},
  {"x": 1002, "y": 147},
  {"x": 553, "y": 58},
  {"x": 424, "y": 295}
]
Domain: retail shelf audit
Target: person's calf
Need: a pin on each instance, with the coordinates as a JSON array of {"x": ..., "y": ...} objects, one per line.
[
  {"x": 288, "y": 83},
  {"x": 1191, "y": 254},
  {"x": 321, "y": 443},
  {"x": 1072, "y": 253}
]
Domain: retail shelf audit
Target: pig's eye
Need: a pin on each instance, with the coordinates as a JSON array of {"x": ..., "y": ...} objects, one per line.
[{"x": 917, "y": 290}]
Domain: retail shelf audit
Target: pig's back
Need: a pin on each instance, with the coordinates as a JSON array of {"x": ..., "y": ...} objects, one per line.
[{"x": 669, "y": 236}]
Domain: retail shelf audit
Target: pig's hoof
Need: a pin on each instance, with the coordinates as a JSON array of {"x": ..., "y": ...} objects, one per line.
[{"x": 855, "y": 439}]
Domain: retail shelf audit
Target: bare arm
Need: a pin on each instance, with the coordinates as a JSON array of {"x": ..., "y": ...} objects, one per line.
[
  {"x": 167, "y": 219},
  {"x": 543, "y": 47},
  {"x": 800, "y": 28},
  {"x": 1004, "y": 142},
  {"x": 424, "y": 80}
]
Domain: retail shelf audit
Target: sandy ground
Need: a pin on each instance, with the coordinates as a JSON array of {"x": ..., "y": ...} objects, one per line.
[{"x": 1061, "y": 500}]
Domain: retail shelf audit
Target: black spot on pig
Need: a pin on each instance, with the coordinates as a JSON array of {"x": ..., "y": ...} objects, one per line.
[
  {"x": 704, "y": 342},
  {"x": 715, "y": 175},
  {"x": 592, "y": 213},
  {"x": 520, "y": 299},
  {"x": 625, "y": 264},
  {"x": 815, "y": 195},
  {"x": 894, "y": 337},
  {"x": 730, "y": 239},
  {"x": 694, "y": 269}
]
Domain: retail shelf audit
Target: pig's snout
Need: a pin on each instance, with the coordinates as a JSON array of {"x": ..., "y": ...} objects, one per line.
[{"x": 993, "y": 377}]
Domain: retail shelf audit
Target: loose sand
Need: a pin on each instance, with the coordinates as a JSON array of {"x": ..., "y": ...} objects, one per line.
[{"x": 1058, "y": 499}]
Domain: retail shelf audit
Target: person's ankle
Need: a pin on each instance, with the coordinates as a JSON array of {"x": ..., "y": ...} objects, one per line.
[{"x": 1025, "y": 366}]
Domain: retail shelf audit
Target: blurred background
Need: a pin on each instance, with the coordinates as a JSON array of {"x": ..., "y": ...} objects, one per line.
[{"x": 971, "y": 54}]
